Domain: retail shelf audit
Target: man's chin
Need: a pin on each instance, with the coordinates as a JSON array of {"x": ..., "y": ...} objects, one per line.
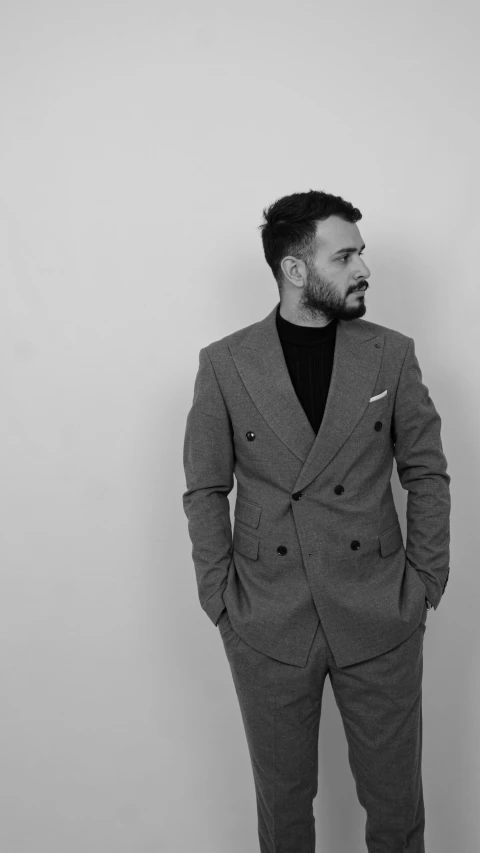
[
  {"x": 330, "y": 312},
  {"x": 353, "y": 313}
]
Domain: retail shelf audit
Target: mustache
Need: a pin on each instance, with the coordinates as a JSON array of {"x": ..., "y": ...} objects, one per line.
[{"x": 362, "y": 285}]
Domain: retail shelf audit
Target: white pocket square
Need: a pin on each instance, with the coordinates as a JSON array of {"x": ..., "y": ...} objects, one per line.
[{"x": 378, "y": 396}]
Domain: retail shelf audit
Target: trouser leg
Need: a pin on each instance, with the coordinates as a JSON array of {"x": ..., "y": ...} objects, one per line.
[
  {"x": 280, "y": 706},
  {"x": 380, "y": 702}
]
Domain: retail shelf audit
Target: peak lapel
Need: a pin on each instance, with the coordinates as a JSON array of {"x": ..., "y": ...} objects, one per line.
[
  {"x": 355, "y": 370},
  {"x": 261, "y": 364}
]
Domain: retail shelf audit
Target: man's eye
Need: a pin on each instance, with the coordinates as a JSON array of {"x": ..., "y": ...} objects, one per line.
[{"x": 347, "y": 257}]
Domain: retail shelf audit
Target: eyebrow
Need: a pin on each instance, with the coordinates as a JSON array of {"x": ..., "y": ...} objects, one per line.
[{"x": 348, "y": 249}]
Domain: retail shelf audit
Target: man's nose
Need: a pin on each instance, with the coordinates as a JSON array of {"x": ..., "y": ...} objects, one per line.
[{"x": 365, "y": 272}]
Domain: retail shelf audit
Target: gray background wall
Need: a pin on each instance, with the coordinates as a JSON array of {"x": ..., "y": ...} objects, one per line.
[{"x": 140, "y": 142}]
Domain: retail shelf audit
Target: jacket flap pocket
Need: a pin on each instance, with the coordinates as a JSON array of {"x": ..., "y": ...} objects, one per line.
[
  {"x": 390, "y": 540},
  {"x": 248, "y": 513},
  {"x": 245, "y": 544}
]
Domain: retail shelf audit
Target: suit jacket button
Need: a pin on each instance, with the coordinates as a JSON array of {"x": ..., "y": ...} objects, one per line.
[
  {"x": 355, "y": 545},
  {"x": 281, "y": 550},
  {"x": 297, "y": 496},
  {"x": 339, "y": 490},
  {"x": 250, "y": 436},
  {"x": 378, "y": 426}
]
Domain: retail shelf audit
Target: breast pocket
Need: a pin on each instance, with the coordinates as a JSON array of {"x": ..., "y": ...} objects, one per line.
[{"x": 376, "y": 412}]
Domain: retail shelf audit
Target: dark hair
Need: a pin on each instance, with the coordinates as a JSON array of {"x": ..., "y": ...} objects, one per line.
[{"x": 291, "y": 222}]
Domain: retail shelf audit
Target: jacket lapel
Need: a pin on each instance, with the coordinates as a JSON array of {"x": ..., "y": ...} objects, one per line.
[{"x": 263, "y": 370}]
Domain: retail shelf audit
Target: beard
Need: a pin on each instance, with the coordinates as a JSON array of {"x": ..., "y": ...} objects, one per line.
[{"x": 321, "y": 298}]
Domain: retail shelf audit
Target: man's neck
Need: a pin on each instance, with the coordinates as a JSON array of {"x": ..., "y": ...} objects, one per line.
[{"x": 292, "y": 316}]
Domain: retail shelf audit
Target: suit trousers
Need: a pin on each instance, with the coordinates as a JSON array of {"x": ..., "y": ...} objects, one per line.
[{"x": 380, "y": 703}]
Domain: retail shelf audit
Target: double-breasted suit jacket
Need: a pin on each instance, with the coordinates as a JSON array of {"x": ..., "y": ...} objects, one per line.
[{"x": 316, "y": 533}]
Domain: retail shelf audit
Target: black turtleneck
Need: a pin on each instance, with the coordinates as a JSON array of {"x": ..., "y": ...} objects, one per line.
[{"x": 308, "y": 352}]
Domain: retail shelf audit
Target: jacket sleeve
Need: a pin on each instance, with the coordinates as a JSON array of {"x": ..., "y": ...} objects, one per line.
[
  {"x": 422, "y": 471},
  {"x": 208, "y": 460}
]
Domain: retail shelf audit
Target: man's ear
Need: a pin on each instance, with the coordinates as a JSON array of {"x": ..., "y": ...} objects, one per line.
[{"x": 294, "y": 270}]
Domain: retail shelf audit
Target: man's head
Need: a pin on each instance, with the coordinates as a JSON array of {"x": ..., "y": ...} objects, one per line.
[{"x": 314, "y": 248}]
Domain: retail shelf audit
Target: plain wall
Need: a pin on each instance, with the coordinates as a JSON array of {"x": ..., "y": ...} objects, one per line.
[{"x": 140, "y": 142}]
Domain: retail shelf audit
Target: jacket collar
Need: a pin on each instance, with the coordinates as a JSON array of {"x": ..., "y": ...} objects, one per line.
[{"x": 261, "y": 364}]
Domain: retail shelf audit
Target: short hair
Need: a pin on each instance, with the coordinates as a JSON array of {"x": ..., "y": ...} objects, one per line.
[{"x": 291, "y": 222}]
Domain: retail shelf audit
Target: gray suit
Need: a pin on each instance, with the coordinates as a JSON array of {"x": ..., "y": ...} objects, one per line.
[
  {"x": 317, "y": 551},
  {"x": 368, "y": 599}
]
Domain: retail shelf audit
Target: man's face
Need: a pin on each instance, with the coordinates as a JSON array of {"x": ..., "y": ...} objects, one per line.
[{"x": 338, "y": 274}]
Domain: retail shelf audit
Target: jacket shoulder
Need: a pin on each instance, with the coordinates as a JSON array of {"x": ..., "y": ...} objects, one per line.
[
  {"x": 396, "y": 338},
  {"x": 232, "y": 339}
]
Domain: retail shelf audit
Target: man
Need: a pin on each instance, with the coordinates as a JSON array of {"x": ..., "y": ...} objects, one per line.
[{"x": 308, "y": 408}]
